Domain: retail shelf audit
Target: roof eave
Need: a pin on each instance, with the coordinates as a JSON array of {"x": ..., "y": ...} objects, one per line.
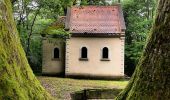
[{"x": 98, "y": 34}]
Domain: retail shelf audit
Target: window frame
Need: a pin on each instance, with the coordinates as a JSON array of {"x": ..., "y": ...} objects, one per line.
[
  {"x": 53, "y": 56},
  {"x": 102, "y": 58},
  {"x": 80, "y": 57}
]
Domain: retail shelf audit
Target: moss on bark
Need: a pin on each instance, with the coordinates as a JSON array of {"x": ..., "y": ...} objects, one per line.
[
  {"x": 151, "y": 79},
  {"x": 17, "y": 82}
]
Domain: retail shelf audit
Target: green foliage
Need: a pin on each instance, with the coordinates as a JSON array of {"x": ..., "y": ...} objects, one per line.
[
  {"x": 84, "y": 2},
  {"x": 56, "y": 30},
  {"x": 138, "y": 17},
  {"x": 134, "y": 50},
  {"x": 61, "y": 33},
  {"x": 54, "y": 8},
  {"x": 35, "y": 56},
  {"x": 93, "y": 2},
  {"x": 40, "y": 24},
  {"x": 44, "y": 12}
]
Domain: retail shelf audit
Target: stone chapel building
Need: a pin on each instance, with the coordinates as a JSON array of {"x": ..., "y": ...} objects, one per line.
[{"x": 95, "y": 47}]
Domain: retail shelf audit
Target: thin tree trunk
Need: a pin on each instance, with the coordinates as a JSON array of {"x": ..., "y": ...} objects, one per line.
[
  {"x": 147, "y": 9},
  {"x": 151, "y": 79},
  {"x": 17, "y": 82},
  {"x": 30, "y": 33}
]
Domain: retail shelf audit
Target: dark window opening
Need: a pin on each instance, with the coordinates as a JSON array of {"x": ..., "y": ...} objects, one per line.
[
  {"x": 84, "y": 52},
  {"x": 56, "y": 53},
  {"x": 105, "y": 53}
]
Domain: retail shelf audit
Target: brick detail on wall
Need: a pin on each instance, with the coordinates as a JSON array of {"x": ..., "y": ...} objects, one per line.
[
  {"x": 67, "y": 57},
  {"x": 122, "y": 53}
]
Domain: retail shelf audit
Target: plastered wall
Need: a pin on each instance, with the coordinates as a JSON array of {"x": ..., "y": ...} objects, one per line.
[
  {"x": 49, "y": 64},
  {"x": 94, "y": 66}
]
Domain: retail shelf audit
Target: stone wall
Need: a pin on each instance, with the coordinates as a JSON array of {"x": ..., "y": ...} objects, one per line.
[{"x": 96, "y": 94}]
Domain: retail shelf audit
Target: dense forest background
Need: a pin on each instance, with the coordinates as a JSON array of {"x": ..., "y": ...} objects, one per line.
[{"x": 33, "y": 17}]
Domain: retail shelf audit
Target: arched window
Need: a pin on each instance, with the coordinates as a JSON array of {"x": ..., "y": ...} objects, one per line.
[
  {"x": 56, "y": 53},
  {"x": 105, "y": 53},
  {"x": 83, "y": 52}
]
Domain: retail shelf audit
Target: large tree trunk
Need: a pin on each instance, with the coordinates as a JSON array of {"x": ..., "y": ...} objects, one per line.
[
  {"x": 151, "y": 80},
  {"x": 17, "y": 81}
]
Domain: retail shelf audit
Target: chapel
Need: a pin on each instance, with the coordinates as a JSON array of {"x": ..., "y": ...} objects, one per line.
[{"x": 94, "y": 48}]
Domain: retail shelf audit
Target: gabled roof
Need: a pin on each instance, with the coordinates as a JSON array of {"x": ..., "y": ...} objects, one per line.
[{"x": 95, "y": 19}]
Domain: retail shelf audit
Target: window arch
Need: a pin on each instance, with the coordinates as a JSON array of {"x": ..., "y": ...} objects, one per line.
[
  {"x": 105, "y": 53},
  {"x": 84, "y": 52},
  {"x": 56, "y": 53}
]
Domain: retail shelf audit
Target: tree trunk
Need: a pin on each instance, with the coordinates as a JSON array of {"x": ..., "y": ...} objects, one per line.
[
  {"x": 151, "y": 80},
  {"x": 17, "y": 81},
  {"x": 30, "y": 33}
]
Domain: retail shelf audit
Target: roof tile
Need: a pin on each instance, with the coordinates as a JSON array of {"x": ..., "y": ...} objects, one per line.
[{"x": 96, "y": 19}]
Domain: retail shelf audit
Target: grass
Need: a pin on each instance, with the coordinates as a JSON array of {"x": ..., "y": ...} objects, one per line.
[{"x": 60, "y": 88}]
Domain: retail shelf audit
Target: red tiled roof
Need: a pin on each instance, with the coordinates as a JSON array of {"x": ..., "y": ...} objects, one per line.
[{"x": 95, "y": 19}]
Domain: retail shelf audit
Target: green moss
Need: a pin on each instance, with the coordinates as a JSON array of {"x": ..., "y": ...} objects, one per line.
[
  {"x": 17, "y": 81},
  {"x": 56, "y": 30}
]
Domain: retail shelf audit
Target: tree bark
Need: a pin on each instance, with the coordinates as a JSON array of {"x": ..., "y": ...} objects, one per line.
[
  {"x": 151, "y": 79},
  {"x": 17, "y": 82}
]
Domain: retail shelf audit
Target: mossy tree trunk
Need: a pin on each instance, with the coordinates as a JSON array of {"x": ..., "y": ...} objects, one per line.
[
  {"x": 17, "y": 82},
  {"x": 151, "y": 79}
]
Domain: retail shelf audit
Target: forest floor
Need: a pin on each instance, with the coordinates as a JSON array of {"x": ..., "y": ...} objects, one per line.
[{"x": 61, "y": 88}]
